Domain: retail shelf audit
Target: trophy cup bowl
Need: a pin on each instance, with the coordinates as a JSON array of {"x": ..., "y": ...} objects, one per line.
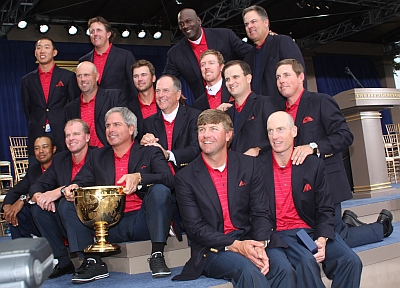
[{"x": 100, "y": 207}]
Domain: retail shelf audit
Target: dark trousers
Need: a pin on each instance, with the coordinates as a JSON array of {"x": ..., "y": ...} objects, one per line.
[
  {"x": 243, "y": 273},
  {"x": 357, "y": 236},
  {"x": 26, "y": 226},
  {"x": 341, "y": 264}
]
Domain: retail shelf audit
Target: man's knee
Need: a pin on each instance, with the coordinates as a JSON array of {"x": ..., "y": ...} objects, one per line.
[{"x": 159, "y": 194}]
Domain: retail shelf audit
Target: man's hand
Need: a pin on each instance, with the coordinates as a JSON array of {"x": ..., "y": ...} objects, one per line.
[
  {"x": 46, "y": 200},
  {"x": 300, "y": 153},
  {"x": 148, "y": 138},
  {"x": 131, "y": 182},
  {"x": 11, "y": 211},
  {"x": 69, "y": 193},
  {"x": 320, "y": 255},
  {"x": 255, "y": 151},
  {"x": 254, "y": 251},
  {"x": 224, "y": 106},
  {"x": 155, "y": 144}
]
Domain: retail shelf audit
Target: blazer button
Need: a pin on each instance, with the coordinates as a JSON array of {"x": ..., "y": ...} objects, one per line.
[
  {"x": 47, "y": 110},
  {"x": 204, "y": 255},
  {"x": 43, "y": 127}
]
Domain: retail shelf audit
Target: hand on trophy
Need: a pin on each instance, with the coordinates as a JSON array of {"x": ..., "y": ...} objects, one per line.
[
  {"x": 131, "y": 182},
  {"x": 69, "y": 192}
]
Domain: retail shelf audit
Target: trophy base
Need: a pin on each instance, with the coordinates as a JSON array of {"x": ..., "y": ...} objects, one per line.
[{"x": 102, "y": 248}]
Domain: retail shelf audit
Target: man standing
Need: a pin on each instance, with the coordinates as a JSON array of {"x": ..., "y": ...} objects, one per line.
[
  {"x": 216, "y": 95},
  {"x": 93, "y": 103},
  {"x": 322, "y": 131},
  {"x": 112, "y": 63},
  {"x": 174, "y": 128},
  {"x": 16, "y": 208},
  {"x": 269, "y": 50},
  {"x": 249, "y": 112},
  {"x": 148, "y": 182},
  {"x": 53, "y": 216},
  {"x": 299, "y": 200},
  {"x": 184, "y": 58},
  {"x": 224, "y": 208},
  {"x": 144, "y": 105},
  {"x": 44, "y": 94}
]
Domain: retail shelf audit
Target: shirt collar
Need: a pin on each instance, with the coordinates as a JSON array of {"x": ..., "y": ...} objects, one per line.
[
  {"x": 197, "y": 42},
  {"x": 220, "y": 169},
  {"x": 171, "y": 116},
  {"x": 213, "y": 90},
  {"x": 50, "y": 71},
  {"x": 295, "y": 104},
  {"x": 105, "y": 52}
]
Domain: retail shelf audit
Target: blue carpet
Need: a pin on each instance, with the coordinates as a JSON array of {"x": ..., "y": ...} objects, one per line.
[{"x": 360, "y": 202}]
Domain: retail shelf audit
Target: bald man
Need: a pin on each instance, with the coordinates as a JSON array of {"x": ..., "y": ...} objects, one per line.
[{"x": 93, "y": 103}]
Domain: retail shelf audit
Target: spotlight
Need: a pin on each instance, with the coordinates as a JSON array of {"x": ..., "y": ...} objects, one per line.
[
  {"x": 156, "y": 32},
  {"x": 301, "y": 4},
  {"x": 88, "y": 32},
  {"x": 44, "y": 28},
  {"x": 72, "y": 29},
  {"x": 141, "y": 33},
  {"x": 124, "y": 31},
  {"x": 22, "y": 24}
]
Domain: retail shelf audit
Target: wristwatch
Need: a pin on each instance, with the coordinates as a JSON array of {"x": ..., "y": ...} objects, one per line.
[
  {"x": 22, "y": 198},
  {"x": 314, "y": 146},
  {"x": 62, "y": 191},
  {"x": 140, "y": 184}
]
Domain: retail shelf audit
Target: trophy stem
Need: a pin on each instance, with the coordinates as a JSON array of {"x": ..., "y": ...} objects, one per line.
[{"x": 101, "y": 245}]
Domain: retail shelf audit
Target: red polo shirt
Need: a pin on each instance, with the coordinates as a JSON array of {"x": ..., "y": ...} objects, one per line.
[
  {"x": 148, "y": 110},
  {"x": 201, "y": 47},
  {"x": 215, "y": 100},
  {"x": 286, "y": 214},
  {"x": 292, "y": 109},
  {"x": 99, "y": 60},
  {"x": 133, "y": 202},
  {"x": 239, "y": 108},
  {"x": 76, "y": 167},
  {"x": 87, "y": 115},
  {"x": 220, "y": 180}
]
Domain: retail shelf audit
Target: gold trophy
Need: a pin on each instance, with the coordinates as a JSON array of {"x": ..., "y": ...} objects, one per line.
[{"x": 100, "y": 207}]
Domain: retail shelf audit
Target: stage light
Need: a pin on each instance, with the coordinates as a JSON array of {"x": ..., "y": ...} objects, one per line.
[
  {"x": 301, "y": 4},
  {"x": 140, "y": 32},
  {"x": 44, "y": 28},
  {"x": 156, "y": 32},
  {"x": 88, "y": 32},
  {"x": 124, "y": 31},
  {"x": 22, "y": 24},
  {"x": 72, "y": 29}
]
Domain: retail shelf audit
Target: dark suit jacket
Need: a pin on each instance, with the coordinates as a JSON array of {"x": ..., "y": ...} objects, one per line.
[
  {"x": 185, "y": 145},
  {"x": 332, "y": 134},
  {"x": 181, "y": 60},
  {"x": 58, "y": 174},
  {"x": 149, "y": 161},
  {"x": 22, "y": 188},
  {"x": 202, "y": 104},
  {"x": 252, "y": 129},
  {"x": 117, "y": 72},
  {"x": 105, "y": 100},
  {"x": 314, "y": 206},
  {"x": 275, "y": 49},
  {"x": 201, "y": 211},
  {"x": 63, "y": 89}
]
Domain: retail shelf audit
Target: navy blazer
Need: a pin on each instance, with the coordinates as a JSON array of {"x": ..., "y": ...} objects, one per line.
[
  {"x": 22, "y": 188},
  {"x": 328, "y": 128},
  {"x": 58, "y": 174},
  {"x": 105, "y": 100},
  {"x": 149, "y": 161},
  {"x": 181, "y": 60},
  {"x": 252, "y": 129},
  {"x": 63, "y": 89},
  {"x": 185, "y": 145},
  {"x": 117, "y": 72},
  {"x": 275, "y": 49},
  {"x": 201, "y": 212},
  {"x": 202, "y": 104},
  {"x": 313, "y": 206}
]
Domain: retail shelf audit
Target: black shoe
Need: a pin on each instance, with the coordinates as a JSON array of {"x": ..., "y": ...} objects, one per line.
[
  {"x": 157, "y": 265},
  {"x": 90, "y": 271},
  {"x": 351, "y": 219},
  {"x": 386, "y": 218},
  {"x": 57, "y": 271}
]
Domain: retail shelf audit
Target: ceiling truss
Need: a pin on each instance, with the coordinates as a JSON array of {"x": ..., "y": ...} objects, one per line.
[{"x": 12, "y": 12}]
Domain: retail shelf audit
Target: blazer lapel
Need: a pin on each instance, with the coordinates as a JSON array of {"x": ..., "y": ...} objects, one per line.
[
  {"x": 179, "y": 121},
  {"x": 109, "y": 166},
  {"x": 38, "y": 87},
  {"x": 270, "y": 185},
  {"x": 110, "y": 59},
  {"x": 233, "y": 178},
  {"x": 248, "y": 107},
  {"x": 189, "y": 56},
  {"x": 266, "y": 53},
  {"x": 98, "y": 105},
  {"x": 297, "y": 181},
  {"x": 160, "y": 130},
  {"x": 133, "y": 158},
  {"x": 303, "y": 105},
  {"x": 54, "y": 80},
  {"x": 67, "y": 168}
]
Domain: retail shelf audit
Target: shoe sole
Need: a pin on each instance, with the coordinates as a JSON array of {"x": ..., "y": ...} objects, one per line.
[
  {"x": 390, "y": 228},
  {"x": 97, "y": 277},
  {"x": 160, "y": 274}
]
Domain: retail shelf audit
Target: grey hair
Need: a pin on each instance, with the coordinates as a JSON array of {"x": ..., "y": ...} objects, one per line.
[{"x": 128, "y": 116}]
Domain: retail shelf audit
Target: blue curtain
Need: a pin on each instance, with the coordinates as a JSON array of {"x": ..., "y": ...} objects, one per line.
[
  {"x": 17, "y": 59},
  {"x": 332, "y": 79}
]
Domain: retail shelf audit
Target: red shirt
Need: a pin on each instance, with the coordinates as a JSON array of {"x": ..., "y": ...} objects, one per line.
[
  {"x": 148, "y": 110},
  {"x": 87, "y": 115},
  {"x": 292, "y": 109},
  {"x": 220, "y": 180},
  {"x": 133, "y": 202},
  {"x": 201, "y": 47},
  {"x": 169, "y": 130},
  {"x": 45, "y": 79},
  {"x": 76, "y": 167},
  {"x": 286, "y": 214},
  {"x": 215, "y": 100},
  {"x": 99, "y": 60},
  {"x": 239, "y": 108}
]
